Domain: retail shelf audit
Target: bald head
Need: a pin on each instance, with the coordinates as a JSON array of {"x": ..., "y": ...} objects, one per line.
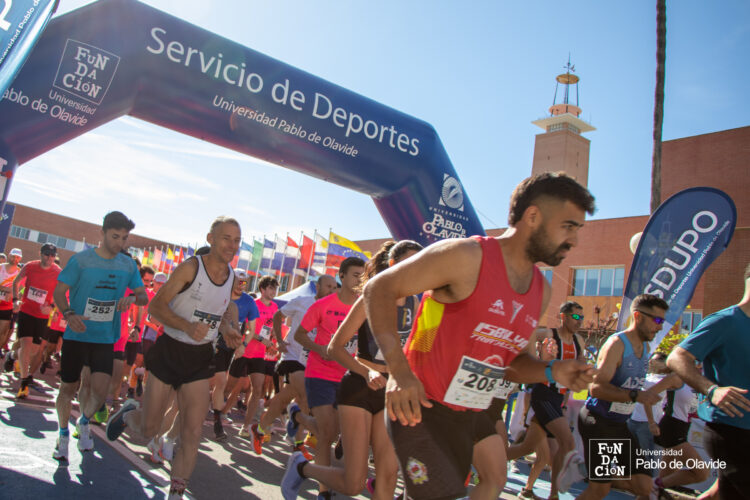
[{"x": 326, "y": 286}]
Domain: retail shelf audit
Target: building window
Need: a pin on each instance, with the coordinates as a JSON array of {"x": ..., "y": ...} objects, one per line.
[
  {"x": 690, "y": 320},
  {"x": 19, "y": 232},
  {"x": 547, "y": 273},
  {"x": 42, "y": 238},
  {"x": 598, "y": 282}
]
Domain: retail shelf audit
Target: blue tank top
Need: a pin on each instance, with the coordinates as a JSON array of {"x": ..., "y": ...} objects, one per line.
[{"x": 631, "y": 374}]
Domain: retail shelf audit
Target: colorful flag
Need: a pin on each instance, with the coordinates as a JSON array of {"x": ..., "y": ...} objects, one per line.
[
  {"x": 156, "y": 262},
  {"x": 340, "y": 248},
  {"x": 146, "y": 261},
  {"x": 245, "y": 255},
  {"x": 257, "y": 256},
  {"x": 306, "y": 253},
  {"x": 278, "y": 255},
  {"x": 190, "y": 251},
  {"x": 321, "y": 251},
  {"x": 291, "y": 253},
  {"x": 268, "y": 247}
]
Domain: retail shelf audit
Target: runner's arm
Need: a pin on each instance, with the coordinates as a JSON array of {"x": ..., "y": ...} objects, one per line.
[
  {"x": 159, "y": 306},
  {"x": 449, "y": 267},
  {"x": 278, "y": 320},
  {"x": 302, "y": 339},
  {"x": 347, "y": 330},
  {"x": 729, "y": 398},
  {"x": 230, "y": 326},
  {"x": 17, "y": 281}
]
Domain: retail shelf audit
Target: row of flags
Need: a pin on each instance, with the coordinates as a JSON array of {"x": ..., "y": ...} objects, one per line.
[{"x": 308, "y": 257}]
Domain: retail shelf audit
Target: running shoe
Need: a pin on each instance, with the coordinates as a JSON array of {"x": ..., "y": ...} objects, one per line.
[
  {"x": 292, "y": 481},
  {"x": 23, "y": 392},
  {"x": 116, "y": 424},
  {"x": 291, "y": 424},
  {"x": 154, "y": 448},
  {"x": 61, "y": 449},
  {"x": 167, "y": 448},
  {"x": 571, "y": 472},
  {"x": 244, "y": 433},
  {"x": 219, "y": 431},
  {"x": 8, "y": 364},
  {"x": 300, "y": 447},
  {"x": 524, "y": 493},
  {"x": 102, "y": 414},
  {"x": 139, "y": 387},
  {"x": 258, "y": 439},
  {"x": 85, "y": 441}
]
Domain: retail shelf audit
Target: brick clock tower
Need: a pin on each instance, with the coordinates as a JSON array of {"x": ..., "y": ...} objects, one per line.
[{"x": 561, "y": 146}]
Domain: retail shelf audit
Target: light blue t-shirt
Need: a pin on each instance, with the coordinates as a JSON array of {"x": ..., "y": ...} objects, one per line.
[
  {"x": 96, "y": 284},
  {"x": 722, "y": 343}
]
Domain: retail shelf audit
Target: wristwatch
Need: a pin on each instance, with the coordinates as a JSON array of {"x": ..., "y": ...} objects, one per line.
[{"x": 634, "y": 394}]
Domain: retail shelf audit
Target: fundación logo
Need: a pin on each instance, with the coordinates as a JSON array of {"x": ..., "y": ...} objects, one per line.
[
  {"x": 609, "y": 458},
  {"x": 86, "y": 71}
]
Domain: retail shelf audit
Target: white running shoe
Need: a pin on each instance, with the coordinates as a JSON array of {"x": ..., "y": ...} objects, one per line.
[
  {"x": 154, "y": 447},
  {"x": 571, "y": 472},
  {"x": 61, "y": 449},
  {"x": 167, "y": 449},
  {"x": 85, "y": 441}
]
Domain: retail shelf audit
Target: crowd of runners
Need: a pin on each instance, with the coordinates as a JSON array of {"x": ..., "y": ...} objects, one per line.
[{"x": 403, "y": 363}]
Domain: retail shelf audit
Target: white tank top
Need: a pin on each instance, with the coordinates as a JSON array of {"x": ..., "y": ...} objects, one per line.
[
  {"x": 203, "y": 301},
  {"x": 685, "y": 402}
]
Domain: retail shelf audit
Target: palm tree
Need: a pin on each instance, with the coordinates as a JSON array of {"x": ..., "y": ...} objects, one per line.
[{"x": 661, "y": 53}]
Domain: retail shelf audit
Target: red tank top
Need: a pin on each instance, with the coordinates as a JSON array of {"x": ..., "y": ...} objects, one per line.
[
  {"x": 40, "y": 283},
  {"x": 459, "y": 350}
]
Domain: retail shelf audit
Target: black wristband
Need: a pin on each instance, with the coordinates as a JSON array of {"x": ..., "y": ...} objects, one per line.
[{"x": 634, "y": 395}]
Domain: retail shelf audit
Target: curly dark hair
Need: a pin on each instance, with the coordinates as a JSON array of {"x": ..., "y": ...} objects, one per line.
[{"x": 556, "y": 185}]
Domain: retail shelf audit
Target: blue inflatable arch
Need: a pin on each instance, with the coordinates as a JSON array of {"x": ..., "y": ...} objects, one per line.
[{"x": 121, "y": 57}]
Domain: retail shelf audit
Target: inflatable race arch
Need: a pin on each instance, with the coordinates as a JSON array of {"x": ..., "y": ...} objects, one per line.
[{"x": 121, "y": 57}]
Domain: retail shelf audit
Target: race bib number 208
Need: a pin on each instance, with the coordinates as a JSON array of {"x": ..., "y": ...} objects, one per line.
[{"x": 474, "y": 384}]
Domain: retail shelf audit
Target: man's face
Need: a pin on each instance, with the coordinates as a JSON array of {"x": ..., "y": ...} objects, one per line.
[
  {"x": 326, "y": 286},
  {"x": 646, "y": 322},
  {"x": 225, "y": 241},
  {"x": 47, "y": 258},
  {"x": 115, "y": 240},
  {"x": 569, "y": 322},
  {"x": 14, "y": 260},
  {"x": 557, "y": 233},
  {"x": 239, "y": 286},
  {"x": 157, "y": 285},
  {"x": 148, "y": 280},
  {"x": 268, "y": 293},
  {"x": 352, "y": 279}
]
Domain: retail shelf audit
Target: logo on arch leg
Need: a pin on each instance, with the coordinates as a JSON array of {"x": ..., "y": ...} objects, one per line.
[
  {"x": 86, "y": 71},
  {"x": 417, "y": 471},
  {"x": 452, "y": 194}
]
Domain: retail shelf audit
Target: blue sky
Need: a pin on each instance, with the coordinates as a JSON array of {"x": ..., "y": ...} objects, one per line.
[{"x": 479, "y": 75}]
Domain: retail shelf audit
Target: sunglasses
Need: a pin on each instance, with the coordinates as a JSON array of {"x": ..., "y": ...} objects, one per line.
[
  {"x": 657, "y": 319},
  {"x": 576, "y": 316},
  {"x": 49, "y": 254}
]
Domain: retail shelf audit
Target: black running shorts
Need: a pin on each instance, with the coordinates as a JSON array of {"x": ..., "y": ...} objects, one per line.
[
  {"x": 353, "y": 391},
  {"x": 222, "y": 358},
  {"x": 75, "y": 355},
  {"x": 729, "y": 443},
  {"x": 435, "y": 455},
  {"x": 672, "y": 432},
  {"x": 31, "y": 326},
  {"x": 176, "y": 363},
  {"x": 242, "y": 367}
]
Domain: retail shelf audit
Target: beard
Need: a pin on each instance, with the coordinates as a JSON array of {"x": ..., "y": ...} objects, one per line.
[{"x": 539, "y": 248}]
